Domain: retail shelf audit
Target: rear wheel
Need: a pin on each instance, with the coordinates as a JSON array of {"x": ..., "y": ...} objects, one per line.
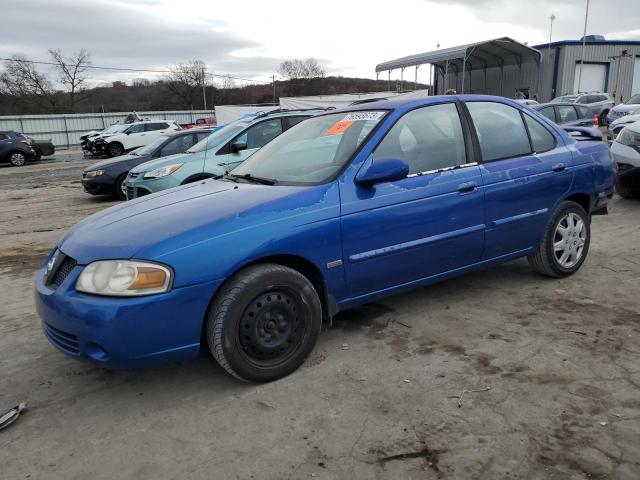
[
  {"x": 565, "y": 243},
  {"x": 115, "y": 149},
  {"x": 264, "y": 322},
  {"x": 17, "y": 159}
]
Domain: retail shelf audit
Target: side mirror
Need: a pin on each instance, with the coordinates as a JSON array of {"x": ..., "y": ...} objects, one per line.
[
  {"x": 382, "y": 170},
  {"x": 127, "y": 132},
  {"x": 238, "y": 146}
]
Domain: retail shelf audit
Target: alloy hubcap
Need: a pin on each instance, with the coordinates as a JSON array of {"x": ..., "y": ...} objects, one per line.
[
  {"x": 271, "y": 327},
  {"x": 569, "y": 239},
  {"x": 123, "y": 188},
  {"x": 17, "y": 159}
]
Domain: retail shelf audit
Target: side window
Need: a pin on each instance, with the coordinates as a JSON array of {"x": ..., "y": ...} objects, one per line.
[
  {"x": 500, "y": 130},
  {"x": 584, "y": 112},
  {"x": 541, "y": 138},
  {"x": 567, "y": 113},
  {"x": 150, "y": 127},
  {"x": 200, "y": 136},
  {"x": 259, "y": 135},
  {"x": 548, "y": 112},
  {"x": 428, "y": 138},
  {"x": 584, "y": 99},
  {"x": 291, "y": 121},
  {"x": 177, "y": 145},
  {"x": 136, "y": 128},
  {"x": 4, "y": 136}
]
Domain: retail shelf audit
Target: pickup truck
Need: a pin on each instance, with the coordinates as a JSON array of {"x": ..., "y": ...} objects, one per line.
[{"x": 342, "y": 209}]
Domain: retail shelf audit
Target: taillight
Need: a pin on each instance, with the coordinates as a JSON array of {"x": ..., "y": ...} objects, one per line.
[
  {"x": 26, "y": 142},
  {"x": 596, "y": 120}
]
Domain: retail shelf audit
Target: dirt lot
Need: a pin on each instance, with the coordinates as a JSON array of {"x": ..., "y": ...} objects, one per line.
[{"x": 557, "y": 364}]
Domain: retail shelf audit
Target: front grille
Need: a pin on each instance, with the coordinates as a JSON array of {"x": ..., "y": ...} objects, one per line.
[
  {"x": 130, "y": 193},
  {"x": 623, "y": 167},
  {"x": 63, "y": 340},
  {"x": 142, "y": 192},
  {"x": 65, "y": 268}
]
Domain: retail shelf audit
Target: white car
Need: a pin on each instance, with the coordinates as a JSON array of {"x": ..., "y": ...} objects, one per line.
[
  {"x": 626, "y": 153},
  {"x": 135, "y": 135},
  {"x": 617, "y": 125}
]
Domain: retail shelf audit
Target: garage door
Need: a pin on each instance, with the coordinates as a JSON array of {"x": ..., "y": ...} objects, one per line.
[
  {"x": 636, "y": 76},
  {"x": 594, "y": 77}
]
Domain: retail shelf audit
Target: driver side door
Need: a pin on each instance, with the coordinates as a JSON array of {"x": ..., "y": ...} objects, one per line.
[{"x": 431, "y": 222}]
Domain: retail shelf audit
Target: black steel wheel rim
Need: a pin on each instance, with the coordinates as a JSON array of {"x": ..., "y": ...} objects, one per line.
[{"x": 271, "y": 328}]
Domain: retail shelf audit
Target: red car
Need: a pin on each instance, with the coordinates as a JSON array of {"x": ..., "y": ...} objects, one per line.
[{"x": 202, "y": 122}]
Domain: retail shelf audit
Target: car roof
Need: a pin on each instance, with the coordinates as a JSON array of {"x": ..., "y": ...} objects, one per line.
[
  {"x": 557, "y": 104},
  {"x": 399, "y": 103},
  {"x": 187, "y": 131}
]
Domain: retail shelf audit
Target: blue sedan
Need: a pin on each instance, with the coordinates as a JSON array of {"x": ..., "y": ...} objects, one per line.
[{"x": 342, "y": 209}]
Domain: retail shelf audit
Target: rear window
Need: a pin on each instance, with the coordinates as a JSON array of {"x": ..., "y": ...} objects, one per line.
[
  {"x": 549, "y": 113},
  {"x": 567, "y": 113}
]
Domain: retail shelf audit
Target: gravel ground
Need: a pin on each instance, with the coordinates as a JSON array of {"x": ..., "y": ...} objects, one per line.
[{"x": 550, "y": 372}]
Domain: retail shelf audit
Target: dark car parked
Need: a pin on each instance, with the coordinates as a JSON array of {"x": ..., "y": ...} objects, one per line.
[
  {"x": 15, "y": 148},
  {"x": 107, "y": 177},
  {"x": 568, "y": 114}
]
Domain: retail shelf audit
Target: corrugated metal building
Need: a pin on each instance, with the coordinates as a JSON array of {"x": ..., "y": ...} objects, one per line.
[
  {"x": 513, "y": 69},
  {"x": 611, "y": 66}
]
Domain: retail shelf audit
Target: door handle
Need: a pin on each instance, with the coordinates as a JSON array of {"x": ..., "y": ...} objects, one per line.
[
  {"x": 560, "y": 167},
  {"x": 469, "y": 187}
]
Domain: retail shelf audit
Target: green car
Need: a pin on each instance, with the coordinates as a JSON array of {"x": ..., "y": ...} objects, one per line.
[
  {"x": 217, "y": 154},
  {"x": 42, "y": 148}
]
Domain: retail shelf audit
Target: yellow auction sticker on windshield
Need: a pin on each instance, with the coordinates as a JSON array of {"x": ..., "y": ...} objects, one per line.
[{"x": 338, "y": 127}]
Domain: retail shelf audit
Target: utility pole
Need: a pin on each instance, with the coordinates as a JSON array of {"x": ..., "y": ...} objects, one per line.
[
  {"x": 273, "y": 80},
  {"x": 204, "y": 91},
  {"x": 584, "y": 40}
]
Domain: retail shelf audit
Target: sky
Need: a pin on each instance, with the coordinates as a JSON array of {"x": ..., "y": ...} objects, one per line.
[{"x": 250, "y": 38}]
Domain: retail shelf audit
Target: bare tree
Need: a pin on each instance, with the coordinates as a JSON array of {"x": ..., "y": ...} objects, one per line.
[
  {"x": 72, "y": 73},
  {"x": 227, "y": 82},
  {"x": 187, "y": 80},
  {"x": 22, "y": 80},
  {"x": 301, "y": 69}
]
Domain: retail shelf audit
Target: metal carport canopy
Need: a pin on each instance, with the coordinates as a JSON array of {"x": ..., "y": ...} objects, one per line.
[{"x": 499, "y": 52}]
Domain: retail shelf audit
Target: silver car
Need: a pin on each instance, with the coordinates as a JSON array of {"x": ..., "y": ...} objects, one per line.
[
  {"x": 630, "y": 107},
  {"x": 598, "y": 103},
  {"x": 626, "y": 153}
]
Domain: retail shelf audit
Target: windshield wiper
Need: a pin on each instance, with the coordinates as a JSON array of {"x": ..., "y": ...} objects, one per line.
[
  {"x": 260, "y": 180},
  {"x": 226, "y": 176}
]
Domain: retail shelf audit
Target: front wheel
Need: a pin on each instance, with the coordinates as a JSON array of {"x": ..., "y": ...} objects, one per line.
[
  {"x": 565, "y": 242},
  {"x": 264, "y": 322},
  {"x": 17, "y": 159},
  {"x": 120, "y": 188},
  {"x": 38, "y": 155}
]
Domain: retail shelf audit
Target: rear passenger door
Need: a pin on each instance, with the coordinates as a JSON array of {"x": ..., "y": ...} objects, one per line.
[
  {"x": 427, "y": 223},
  {"x": 525, "y": 173}
]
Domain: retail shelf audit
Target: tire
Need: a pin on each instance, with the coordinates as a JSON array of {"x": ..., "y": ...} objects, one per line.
[
  {"x": 626, "y": 192},
  {"x": 118, "y": 187},
  {"x": 259, "y": 304},
  {"x": 17, "y": 159},
  {"x": 38, "y": 154},
  {"x": 114, "y": 149},
  {"x": 574, "y": 242}
]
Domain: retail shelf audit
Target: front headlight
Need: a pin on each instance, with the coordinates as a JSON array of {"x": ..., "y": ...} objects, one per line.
[
  {"x": 94, "y": 173},
  {"x": 124, "y": 278},
  {"x": 628, "y": 137},
  {"x": 163, "y": 171}
]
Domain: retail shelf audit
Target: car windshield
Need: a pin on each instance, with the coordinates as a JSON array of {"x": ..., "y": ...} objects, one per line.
[
  {"x": 565, "y": 98},
  {"x": 313, "y": 151},
  {"x": 148, "y": 150},
  {"x": 634, "y": 100},
  {"x": 220, "y": 136}
]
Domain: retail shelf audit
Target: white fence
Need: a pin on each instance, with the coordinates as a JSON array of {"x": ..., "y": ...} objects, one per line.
[{"x": 65, "y": 130}]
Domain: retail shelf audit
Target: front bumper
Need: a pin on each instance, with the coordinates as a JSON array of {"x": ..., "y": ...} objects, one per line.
[
  {"x": 102, "y": 185},
  {"x": 628, "y": 161},
  {"x": 123, "y": 332},
  {"x": 139, "y": 186}
]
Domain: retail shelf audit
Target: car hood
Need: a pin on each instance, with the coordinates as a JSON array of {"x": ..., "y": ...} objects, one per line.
[
  {"x": 626, "y": 119},
  {"x": 170, "y": 160},
  {"x": 104, "y": 164},
  {"x": 623, "y": 107},
  {"x": 155, "y": 225}
]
